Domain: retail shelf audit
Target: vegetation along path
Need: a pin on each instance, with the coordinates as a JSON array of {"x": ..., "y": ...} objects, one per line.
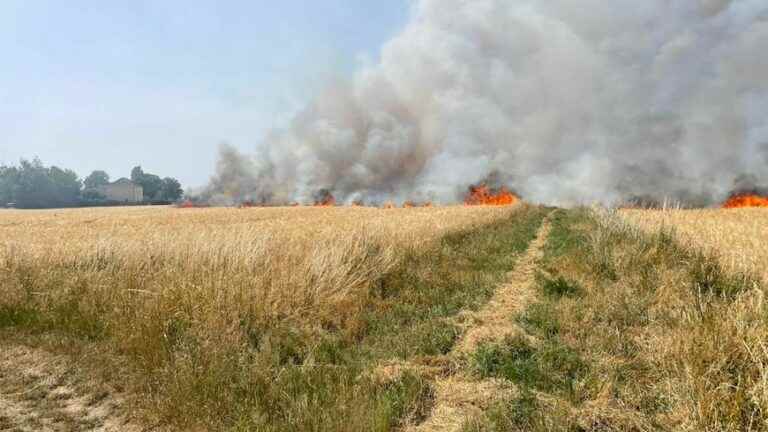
[
  {"x": 629, "y": 331},
  {"x": 459, "y": 396}
]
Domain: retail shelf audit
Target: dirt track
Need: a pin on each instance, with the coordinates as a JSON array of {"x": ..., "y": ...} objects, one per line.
[
  {"x": 458, "y": 397},
  {"x": 43, "y": 392}
]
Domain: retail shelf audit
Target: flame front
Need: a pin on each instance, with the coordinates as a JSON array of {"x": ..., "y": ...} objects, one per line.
[
  {"x": 484, "y": 195},
  {"x": 326, "y": 201},
  {"x": 189, "y": 204},
  {"x": 747, "y": 200}
]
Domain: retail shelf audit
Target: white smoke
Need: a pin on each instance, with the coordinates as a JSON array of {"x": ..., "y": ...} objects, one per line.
[{"x": 569, "y": 100}]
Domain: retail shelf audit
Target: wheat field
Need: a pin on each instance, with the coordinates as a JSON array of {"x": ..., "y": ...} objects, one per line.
[
  {"x": 284, "y": 259},
  {"x": 218, "y": 310},
  {"x": 739, "y": 237},
  {"x": 277, "y": 319},
  {"x": 716, "y": 354}
]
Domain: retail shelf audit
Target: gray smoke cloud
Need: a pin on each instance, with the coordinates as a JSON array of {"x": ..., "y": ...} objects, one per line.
[{"x": 569, "y": 101}]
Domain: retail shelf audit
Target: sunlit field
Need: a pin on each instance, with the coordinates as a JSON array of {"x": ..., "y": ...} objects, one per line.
[
  {"x": 352, "y": 318},
  {"x": 237, "y": 315},
  {"x": 281, "y": 260},
  {"x": 705, "y": 314},
  {"x": 739, "y": 237}
]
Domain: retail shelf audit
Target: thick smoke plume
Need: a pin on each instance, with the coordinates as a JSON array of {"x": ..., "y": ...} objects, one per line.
[{"x": 569, "y": 101}]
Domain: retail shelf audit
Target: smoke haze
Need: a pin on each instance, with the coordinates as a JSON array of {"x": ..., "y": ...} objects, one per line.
[{"x": 564, "y": 101}]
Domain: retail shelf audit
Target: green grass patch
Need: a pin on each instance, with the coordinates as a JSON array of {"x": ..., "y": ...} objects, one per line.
[
  {"x": 551, "y": 367},
  {"x": 541, "y": 319},
  {"x": 559, "y": 287},
  {"x": 19, "y": 316},
  {"x": 66, "y": 318},
  {"x": 519, "y": 414}
]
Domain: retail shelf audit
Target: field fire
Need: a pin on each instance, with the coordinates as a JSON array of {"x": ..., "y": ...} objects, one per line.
[
  {"x": 745, "y": 201},
  {"x": 476, "y": 195},
  {"x": 324, "y": 198},
  {"x": 424, "y": 215},
  {"x": 485, "y": 195},
  {"x": 190, "y": 204}
]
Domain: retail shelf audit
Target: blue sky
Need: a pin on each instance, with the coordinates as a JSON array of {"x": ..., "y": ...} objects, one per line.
[{"x": 93, "y": 84}]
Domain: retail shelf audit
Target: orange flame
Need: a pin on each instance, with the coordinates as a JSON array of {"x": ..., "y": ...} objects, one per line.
[
  {"x": 746, "y": 200},
  {"x": 189, "y": 204},
  {"x": 327, "y": 201},
  {"x": 388, "y": 205},
  {"x": 484, "y": 195},
  {"x": 416, "y": 204}
]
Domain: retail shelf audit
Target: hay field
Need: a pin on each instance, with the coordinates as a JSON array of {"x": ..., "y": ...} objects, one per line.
[
  {"x": 81, "y": 229},
  {"x": 739, "y": 237},
  {"x": 257, "y": 319},
  {"x": 286, "y": 259},
  {"x": 281, "y": 319}
]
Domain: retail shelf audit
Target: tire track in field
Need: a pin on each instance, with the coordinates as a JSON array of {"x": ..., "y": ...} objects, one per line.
[{"x": 457, "y": 395}]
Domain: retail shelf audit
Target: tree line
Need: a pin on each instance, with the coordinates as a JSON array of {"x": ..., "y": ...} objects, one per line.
[{"x": 31, "y": 184}]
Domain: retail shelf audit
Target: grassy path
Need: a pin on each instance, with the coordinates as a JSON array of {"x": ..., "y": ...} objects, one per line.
[
  {"x": 492, "y": 323},
  {"x": 459, "y": 396}
]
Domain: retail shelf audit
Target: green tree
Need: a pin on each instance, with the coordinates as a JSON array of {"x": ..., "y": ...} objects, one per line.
[
  {"x": 171, "y": 189},
  {"x": 32, "y": 185},
  {"x": 8, "y": 180},
  {"x": 34, "y": 188},
  {"x": 152, "y": 184},
  {"x": 66, "y": 186},
  {"x": 96, "y": 179},
  {"x": 137, "y": 174}
]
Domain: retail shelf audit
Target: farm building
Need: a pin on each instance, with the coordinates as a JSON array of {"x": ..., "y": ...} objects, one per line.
[{"x": 122, "y": 190}]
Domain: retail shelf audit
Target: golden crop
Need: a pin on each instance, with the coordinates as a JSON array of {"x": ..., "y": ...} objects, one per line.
[
  {"x": 739, "y": 237},
  {"x": 716, "y": 352},
  {"x": 284, "y": 260},
  {"x": 199, "y": 305}
]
